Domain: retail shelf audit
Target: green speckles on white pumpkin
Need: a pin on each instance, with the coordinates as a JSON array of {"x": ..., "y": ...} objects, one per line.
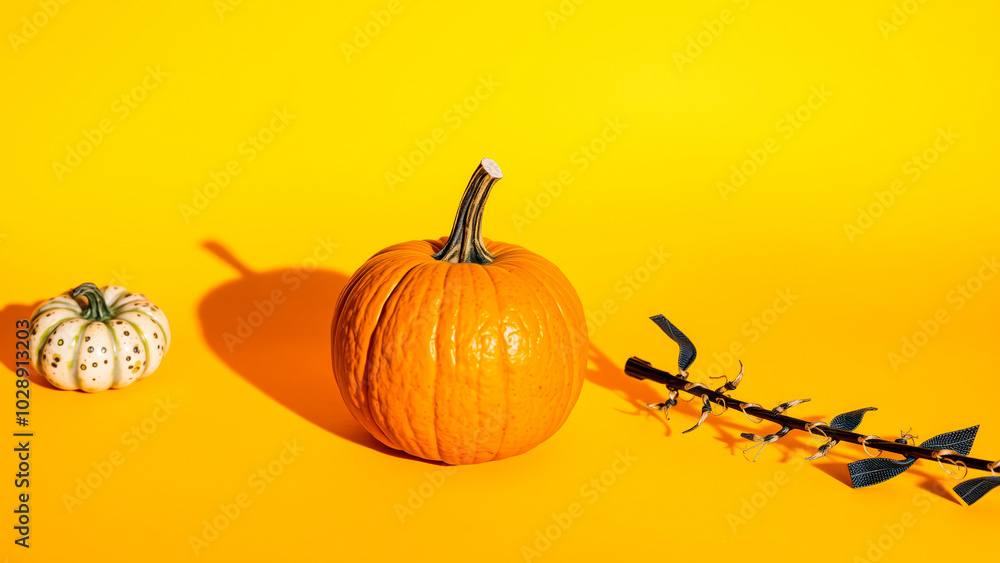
[
  {"x": 127, "y": 338},
  {"x": 143, "y": 351},
  {"x": 146, "y": 308},
  {"x": 98, "y": 376},
  {"x": 62, "y": 370},
  {"x": 42, "y": 327}
]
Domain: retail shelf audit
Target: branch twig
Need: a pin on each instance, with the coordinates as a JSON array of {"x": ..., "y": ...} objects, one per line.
[{"x": 641, "y": 369}]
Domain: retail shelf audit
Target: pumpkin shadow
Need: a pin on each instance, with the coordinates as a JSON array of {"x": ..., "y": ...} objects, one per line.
[
  {"x": 9, "y": 315},
  {"x": 726, "y": 428},
  {"x": 273, "y": 329}
]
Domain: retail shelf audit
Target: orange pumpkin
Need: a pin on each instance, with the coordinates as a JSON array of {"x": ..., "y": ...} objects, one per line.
[{"x": 459, "y": 349}]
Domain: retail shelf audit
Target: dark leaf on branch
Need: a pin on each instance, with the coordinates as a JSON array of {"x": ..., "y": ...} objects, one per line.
[
  {"x": 850, "y": 420},
  {"x": 959, "y": 440},
  {"x": 867, "y": 472},
  {"x": 974, "y": 489},
  {"x": 688, "y": 352}
]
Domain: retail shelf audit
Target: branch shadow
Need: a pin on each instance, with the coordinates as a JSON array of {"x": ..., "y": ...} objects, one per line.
[
  {"x": 933, "y": 486},
  {"x": 273, "y": 329},
  {"x": 838, "y": 471},
  {"x": 637, "y": 394}
]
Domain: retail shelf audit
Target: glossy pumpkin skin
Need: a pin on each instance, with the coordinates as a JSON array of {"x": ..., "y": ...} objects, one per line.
[
  {"x": 97, "y": 346},
  {"x": 459, "y": 362}
]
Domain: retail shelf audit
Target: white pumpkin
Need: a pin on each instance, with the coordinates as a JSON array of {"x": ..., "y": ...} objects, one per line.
[{"x": 113, "y": 340}]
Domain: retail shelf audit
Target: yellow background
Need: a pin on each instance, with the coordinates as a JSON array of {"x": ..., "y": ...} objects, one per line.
[{"x": 118, "y": 216}]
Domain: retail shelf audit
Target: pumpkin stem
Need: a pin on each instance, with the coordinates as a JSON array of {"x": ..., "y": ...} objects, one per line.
[
  {"x": 96, "y": 308},
  {"x": 465, "y": 243}
]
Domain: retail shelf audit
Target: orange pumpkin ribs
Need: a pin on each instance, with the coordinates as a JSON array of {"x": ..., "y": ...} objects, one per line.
[{"x": 461, "y": 350}]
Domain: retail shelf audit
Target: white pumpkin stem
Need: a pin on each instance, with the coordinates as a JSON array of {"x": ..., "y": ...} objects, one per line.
[
  {"x": 96, "y": 308},
  {"x": 465, "y": 243}
]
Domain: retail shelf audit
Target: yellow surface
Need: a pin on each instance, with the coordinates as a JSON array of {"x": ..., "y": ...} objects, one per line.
[{"x": 640, "y": 226}]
